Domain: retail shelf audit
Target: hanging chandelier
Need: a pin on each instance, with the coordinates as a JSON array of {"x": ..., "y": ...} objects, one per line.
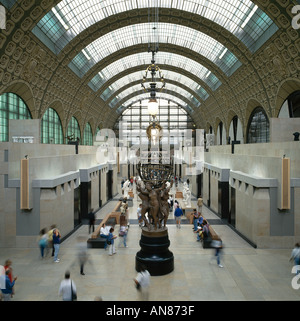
[{"x": 153, "y": 69}]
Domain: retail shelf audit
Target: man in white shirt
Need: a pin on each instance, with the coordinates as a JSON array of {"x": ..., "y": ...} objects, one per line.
[
  {"x": 104, "y": 231},
  {"x": 66, "y": 288}
]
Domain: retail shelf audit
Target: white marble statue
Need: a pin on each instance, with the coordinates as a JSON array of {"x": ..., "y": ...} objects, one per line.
[
  {"x": 187, "y": 197},
  {"x": 184, "y": 190},
  {"x": 126, "y": 189}
]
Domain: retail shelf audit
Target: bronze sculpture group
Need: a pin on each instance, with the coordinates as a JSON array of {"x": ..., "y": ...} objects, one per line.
[{"x": 155, "y": 203}]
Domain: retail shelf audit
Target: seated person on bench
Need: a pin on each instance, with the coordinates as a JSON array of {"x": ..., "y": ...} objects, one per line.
[
  {"x": 104, "y": 231},
  {"x": 203, "y": 231}
]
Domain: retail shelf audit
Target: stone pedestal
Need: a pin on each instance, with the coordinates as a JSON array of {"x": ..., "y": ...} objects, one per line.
[{"x": 154, "y": 253}]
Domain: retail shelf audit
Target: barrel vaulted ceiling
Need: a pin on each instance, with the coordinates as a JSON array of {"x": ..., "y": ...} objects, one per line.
[{"x": 88, "y": 57}]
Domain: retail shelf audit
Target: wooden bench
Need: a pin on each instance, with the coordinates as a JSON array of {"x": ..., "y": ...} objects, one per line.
[
  {"x": 178, "y": 195},
  {"x": 213, "y": 236},
  {"x": 206, "y": 243}
]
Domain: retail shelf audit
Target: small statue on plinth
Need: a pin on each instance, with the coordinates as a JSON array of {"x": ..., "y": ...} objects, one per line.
[
  {"x": 187, "y": 198},
  {"x": 126, "y": 189},
  {"x": 124, "y": 206},
  {"x": 186, "y": 193}
]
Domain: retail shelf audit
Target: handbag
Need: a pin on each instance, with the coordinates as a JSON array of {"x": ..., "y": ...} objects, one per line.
[
  {"x": 73, "y": 294},
  {"x": 108, "y": 242}
]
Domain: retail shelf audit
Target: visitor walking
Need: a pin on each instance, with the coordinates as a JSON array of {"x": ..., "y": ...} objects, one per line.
[
  {"x": 111, "y": 242},
  {"x": 8, "y": 267},
  {"x": 43, "y": 241},
  {"x": 82, "y": 252},
  {"x": 178, "y": 213},
  {"x": 142, "y": 282},
  {"x": 91, "y": 221},
  {"x": 67, "y": 288},
  {"x": 56, "y": 244},
  {"x": 139, "y": 215},
  {"x": 295, "y": 255},
  {"x": 7, "y": 291},
  {"x": 218, "y": 246},
  {"x": 123, "y": 235},
  {"x": 50, "y": 238}
]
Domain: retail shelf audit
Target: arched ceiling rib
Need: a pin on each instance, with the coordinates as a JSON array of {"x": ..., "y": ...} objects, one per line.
[
  {"x": 192, "y": 101},
  {"x": 139, "y": 69},
  {"x": 141, "y": 95},
  {"x": 207, "y": 16},
  {"x": 161, "y": 58},
  {"x": 121, "y": 85},
  {"x": 241, "y": 11}
]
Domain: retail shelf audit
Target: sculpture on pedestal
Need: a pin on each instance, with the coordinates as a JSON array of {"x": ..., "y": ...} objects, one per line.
[
  {"x": 154, "y": 239},
  {"x": 155, "y": 169},
  {"x": 155, "y": 203}
]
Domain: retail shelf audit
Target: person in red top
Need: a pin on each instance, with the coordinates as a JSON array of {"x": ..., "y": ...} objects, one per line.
[{"x": 7, "y": 266}]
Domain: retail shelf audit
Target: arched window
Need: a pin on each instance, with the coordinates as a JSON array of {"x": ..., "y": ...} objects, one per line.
[
  {"x": 11, "y": 107},
  {"x": 236, "y": 130},
  {"x": 220, "y": 135},
  {"x": 97, "y": 130},
  {"x": 291, "y": 107},
  {"x": 73, "y": 129},
  {"x": 258, "y": 127},
  {"x": 52, "y": 132},
  {"x": 171, "y": 116},
  {"x": 88, "y": 135}
]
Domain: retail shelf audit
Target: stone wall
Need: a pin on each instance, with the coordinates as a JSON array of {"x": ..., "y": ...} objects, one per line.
[
  {"x": 55, "y": 171},
  {"x": 255, "y": 180}
]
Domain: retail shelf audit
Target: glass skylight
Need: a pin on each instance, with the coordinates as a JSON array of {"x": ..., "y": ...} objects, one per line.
[
  {"x": 138, "y": 76},
  {"x": 8, "y": 3},
  {"x": 169, "y": 33},
  {"x": 240, "y": 17},
  {"x": 161, "y": 58}
]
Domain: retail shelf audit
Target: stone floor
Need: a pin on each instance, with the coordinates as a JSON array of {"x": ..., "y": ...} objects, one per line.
[{"x": 248, "y": 274}]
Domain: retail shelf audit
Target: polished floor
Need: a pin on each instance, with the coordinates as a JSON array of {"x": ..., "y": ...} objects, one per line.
[{"x": 248, "y": 274}]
